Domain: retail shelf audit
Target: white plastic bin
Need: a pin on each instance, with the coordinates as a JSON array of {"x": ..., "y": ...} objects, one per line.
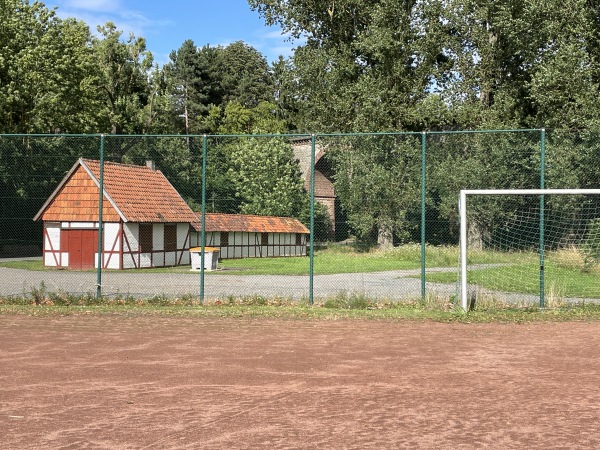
[{"x": 211, "y": 258}]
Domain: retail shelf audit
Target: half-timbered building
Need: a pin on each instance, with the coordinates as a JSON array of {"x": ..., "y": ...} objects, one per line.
[{"x": 145, "y": 221}]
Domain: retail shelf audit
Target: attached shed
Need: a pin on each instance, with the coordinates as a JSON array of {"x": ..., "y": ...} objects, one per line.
[
  {"x": 146, "y": 223},
  {"x": 248, "y": 236}
]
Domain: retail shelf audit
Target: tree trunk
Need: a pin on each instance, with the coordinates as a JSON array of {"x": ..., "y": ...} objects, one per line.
[
  {"x": 477, "y": 234},
  {"x": 385, "y": 238}
]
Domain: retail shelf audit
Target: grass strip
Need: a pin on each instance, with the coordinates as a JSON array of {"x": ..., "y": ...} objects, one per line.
[{"x": 341, "y": 307}]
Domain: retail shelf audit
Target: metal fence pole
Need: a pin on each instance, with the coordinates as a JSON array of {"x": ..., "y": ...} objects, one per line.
[
  {"x": 423, "y": 174},
  {"x": 203, "y": 219},
  {"x": 100, "y": 228},
  {"x": 542, "y": 226},
  {"x": 312, "y": 222}
]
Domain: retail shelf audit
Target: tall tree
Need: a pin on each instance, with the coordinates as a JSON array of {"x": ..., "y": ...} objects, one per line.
[
  {"x": 273, "y": 187},
  {"x": 365, "y": 65},
  {"x": 122, "y": 80},
  {"x": 246, "y": 78},
  {"x": 193, "y": 74},
  {"x": 46, "y": 71},
  {"x": 376, "y": 180}
]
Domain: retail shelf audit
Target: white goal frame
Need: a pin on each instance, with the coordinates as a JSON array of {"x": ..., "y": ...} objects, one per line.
[{"x": 462, "y": 206}]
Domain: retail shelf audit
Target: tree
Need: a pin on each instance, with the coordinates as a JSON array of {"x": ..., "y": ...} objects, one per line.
[
  {"x": 122, "y": 80},
  {"x": 285, "y": 89},
  {"x": 46, "y": 71},
  {"x": 261, "y": 119},
  {"x": 366, "y": 64},
  {"x": 245, "y": 78},
  {"x": 377, "y": 182},
  {"x": 273, "y": 187},
  {"x": 195, "y": 87}
]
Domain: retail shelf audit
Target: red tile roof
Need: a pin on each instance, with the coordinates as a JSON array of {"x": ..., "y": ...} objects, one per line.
[
  {"x": 252, "y": 224},
  {"x": 131, "y": 193}
]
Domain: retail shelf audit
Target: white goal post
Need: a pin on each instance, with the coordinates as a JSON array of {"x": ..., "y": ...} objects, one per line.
[{"x": 463, "y": 221}]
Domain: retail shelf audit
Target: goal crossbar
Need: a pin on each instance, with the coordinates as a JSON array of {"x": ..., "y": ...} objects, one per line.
[{"x": 463, "y": 221}]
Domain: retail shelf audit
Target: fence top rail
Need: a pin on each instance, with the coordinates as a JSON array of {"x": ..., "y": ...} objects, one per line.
[
  {"x": 528, "y": 191},
  {"x": 292, "y": 135},
  {"x": 513, "y": 130}
]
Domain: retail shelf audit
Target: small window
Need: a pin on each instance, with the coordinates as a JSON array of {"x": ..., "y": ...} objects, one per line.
[
  {"x": 145, "y": 237},
  {"x": 224, "y": 239},
  {"x": 170, "y": 237},
  {"x": 264, "y": 239},
  {"x": 298, "y": 239}
]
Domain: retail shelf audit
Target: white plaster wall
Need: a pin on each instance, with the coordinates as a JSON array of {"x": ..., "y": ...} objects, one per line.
[
  {"x": 111, "y": 234},
  {"x": 128, "y": 261},
  {"x": 113, "y": 262},
  {"x": 52, "y": 239},
  {"x": 158, "y": 237},
  {"x": 145, "y": 260},
  {"x": 80, "y": 224},
  {"x": 158, "y": 260},
  {"x": 131, "y": 232},
  {"x": 50, "y": 259},
  {"x": 182, "y": 234},
  {"x": 52, "y": 243},
  {"x": 169, "y": 258},
  {"x": 109, "y": 263},
  {"x": 185, "y": 258}
]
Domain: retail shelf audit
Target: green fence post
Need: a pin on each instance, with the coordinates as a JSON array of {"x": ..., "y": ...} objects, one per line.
[
  {"x": 312, "y": 222},
  {"x": 100, "y": 228},
  {"x": 542, "y": 186},
  {"x": 423, "y": 173},
  {"x": 203, "y": 218}
]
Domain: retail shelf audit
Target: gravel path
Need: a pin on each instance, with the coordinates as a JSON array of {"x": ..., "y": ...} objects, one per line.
[{"x": 391, "y": 284}]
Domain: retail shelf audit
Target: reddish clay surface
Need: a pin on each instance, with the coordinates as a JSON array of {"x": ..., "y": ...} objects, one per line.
[{"x": 138, "y": 382}]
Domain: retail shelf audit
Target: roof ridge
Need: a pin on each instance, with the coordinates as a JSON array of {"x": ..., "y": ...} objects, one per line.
[
  {"x": 247, "y": 215},
  {"x": 120, "y": 164}
]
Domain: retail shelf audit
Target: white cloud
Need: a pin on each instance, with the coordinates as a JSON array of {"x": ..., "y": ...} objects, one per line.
[
  {"x": 93, "y": 5},
  {"x": 98, "y": 12},
  {"x": 284, "y": 51}
]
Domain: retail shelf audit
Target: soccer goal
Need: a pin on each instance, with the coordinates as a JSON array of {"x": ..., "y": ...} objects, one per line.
[{"x": 529, "y": 244}]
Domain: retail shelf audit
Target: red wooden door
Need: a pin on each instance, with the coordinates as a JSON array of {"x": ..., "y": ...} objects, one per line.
[{"x": 81, "y": 246}]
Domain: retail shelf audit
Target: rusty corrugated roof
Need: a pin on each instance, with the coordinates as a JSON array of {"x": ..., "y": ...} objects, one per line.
[
  {"x": 136, "y": 194},
  {"x": 252, "y": 224}
]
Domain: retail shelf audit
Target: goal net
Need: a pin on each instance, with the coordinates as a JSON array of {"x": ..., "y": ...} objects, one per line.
[{"x": 529, "y": 246}]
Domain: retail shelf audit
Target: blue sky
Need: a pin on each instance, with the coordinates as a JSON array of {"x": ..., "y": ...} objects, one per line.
[{"x": 166, "y": 24}]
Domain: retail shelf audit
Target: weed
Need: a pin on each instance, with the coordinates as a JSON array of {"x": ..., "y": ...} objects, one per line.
[
  {"x": 38, "y": 294},
  {"x": 344, "y": 300}
]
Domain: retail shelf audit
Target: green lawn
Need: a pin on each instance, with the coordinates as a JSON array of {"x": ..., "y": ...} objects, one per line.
[
  {"x": 326, "y": 261},
  {"x": 525, "y": 278},
  {"x": 518, "y": 272},
  {"x": 253, "y": 308}
]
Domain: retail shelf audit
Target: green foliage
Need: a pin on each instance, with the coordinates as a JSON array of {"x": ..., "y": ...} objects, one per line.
[
  {"x": 238, "y": 119},
  {"x": 377, "y": 181},
  {"x": 245, "y": 78},
  {"x": 46, "y": 71},
  {"x": 272, "y": 187},
  {"x": 365, "y": 65},
  {"x": 591, "y": 246},
  {"x": 349, "y": 301},
  {"x": 122, "y": 79}
]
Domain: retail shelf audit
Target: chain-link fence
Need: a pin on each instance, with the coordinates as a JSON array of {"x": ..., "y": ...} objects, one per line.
[{"x": 371, "y": 216}]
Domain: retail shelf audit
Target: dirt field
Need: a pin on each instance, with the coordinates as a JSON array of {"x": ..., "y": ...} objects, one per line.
[{"x": 121, "y": 382}]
